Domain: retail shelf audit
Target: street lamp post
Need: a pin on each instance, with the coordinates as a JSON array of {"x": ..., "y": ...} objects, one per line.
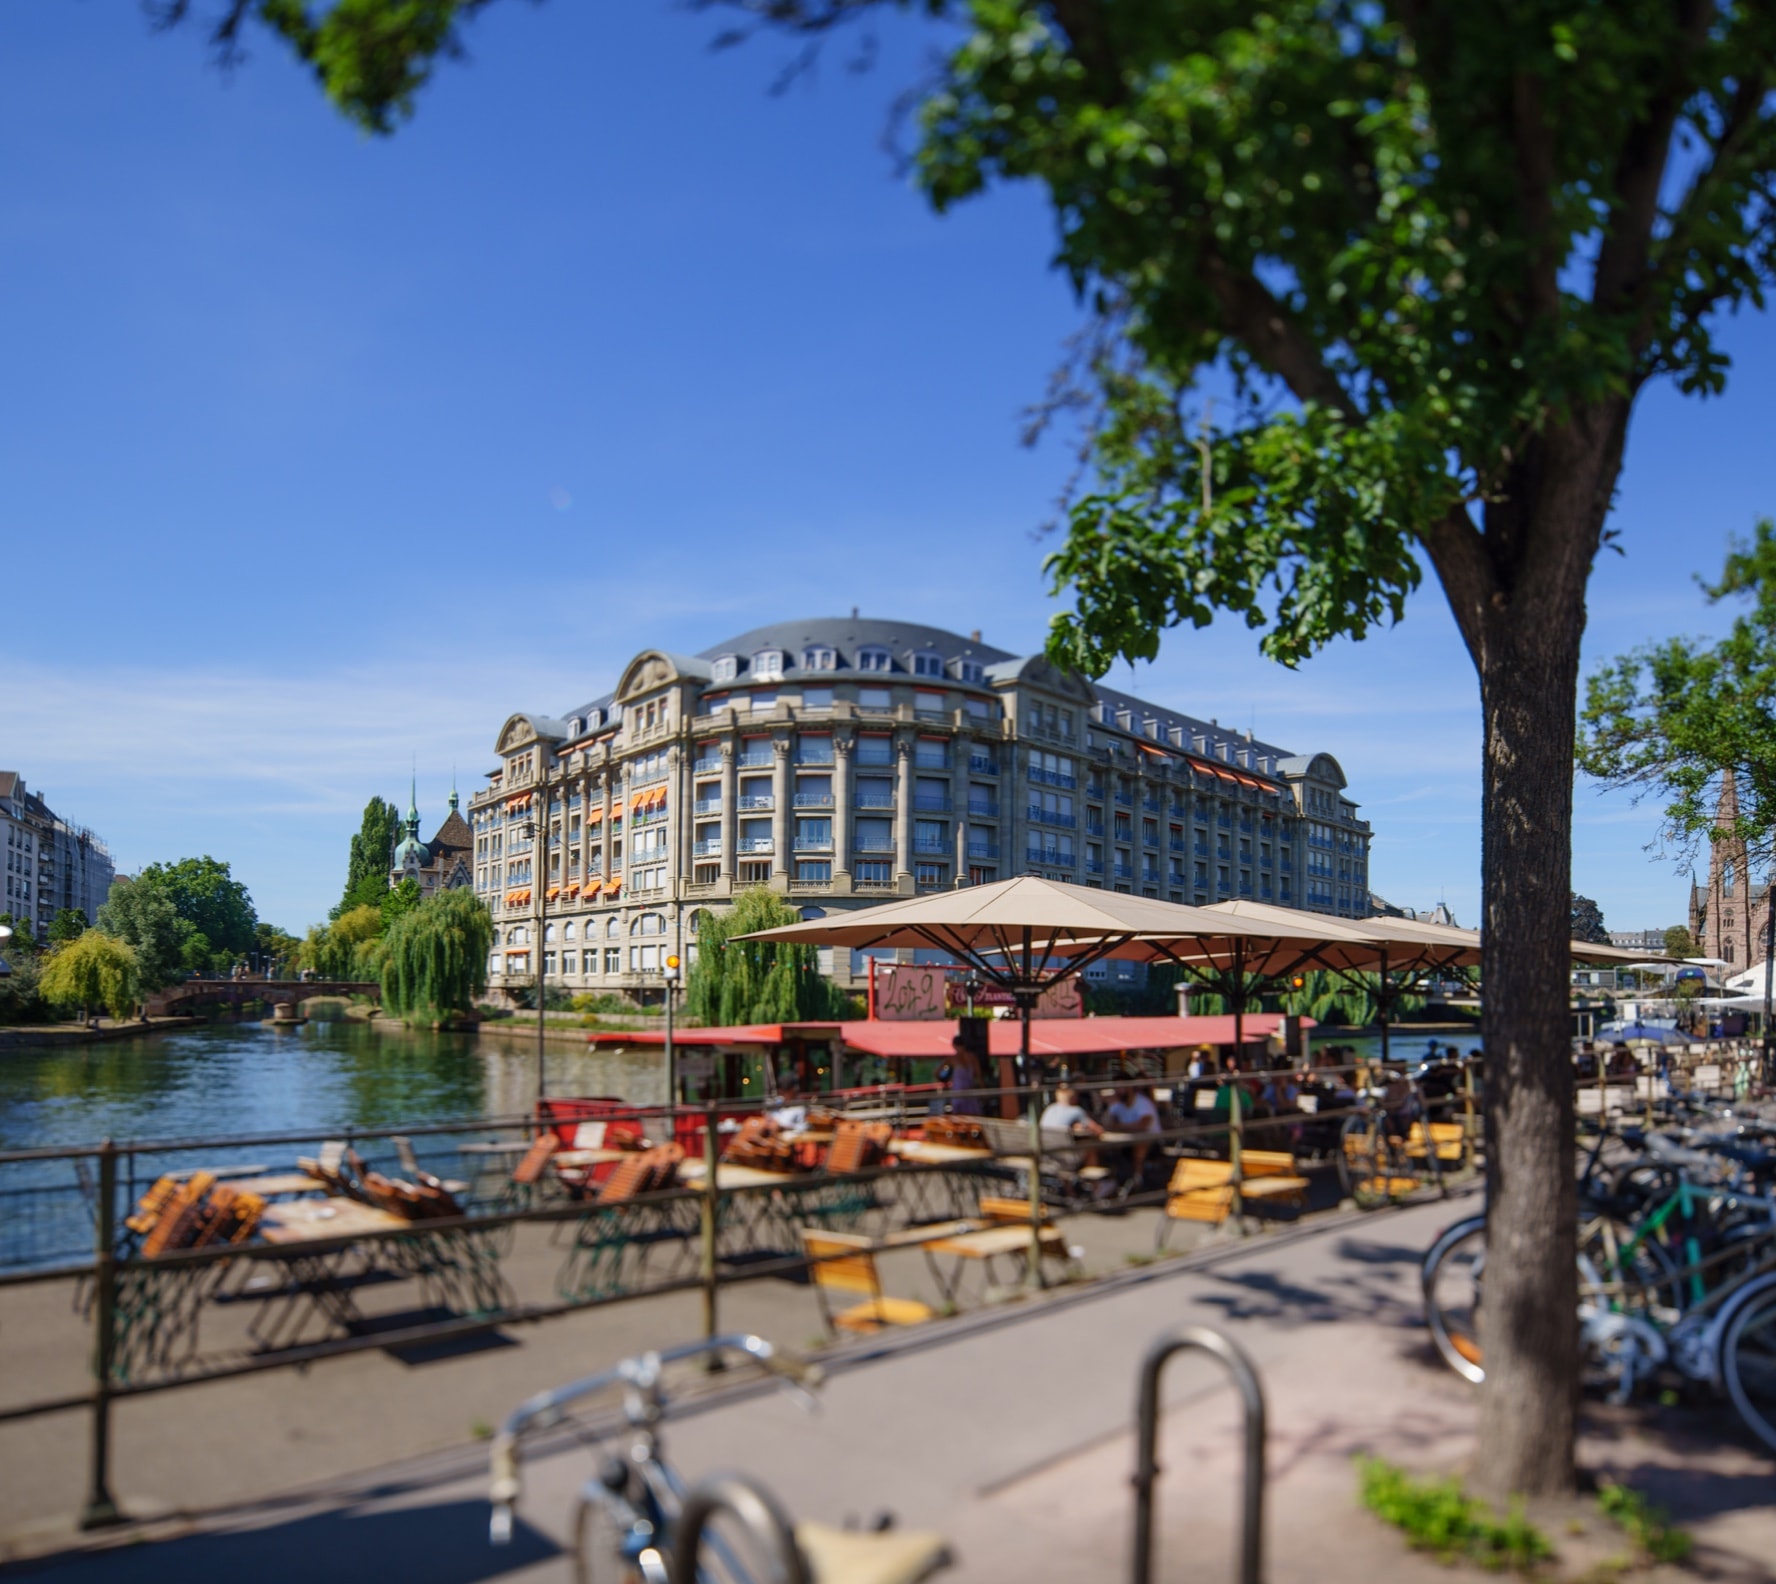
[{"x": 671, "y": 977}]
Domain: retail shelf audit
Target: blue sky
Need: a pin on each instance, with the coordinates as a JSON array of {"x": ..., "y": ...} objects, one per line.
[{"x": 319, "y": 455}]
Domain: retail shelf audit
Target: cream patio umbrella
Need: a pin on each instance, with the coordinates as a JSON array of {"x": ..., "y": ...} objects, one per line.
[{"x": 1023, "y": 934}]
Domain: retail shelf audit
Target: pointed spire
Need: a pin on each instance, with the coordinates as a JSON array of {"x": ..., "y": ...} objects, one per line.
[
  {"x": 453, "y": 799},
  {"x": 413, "y": 804}
]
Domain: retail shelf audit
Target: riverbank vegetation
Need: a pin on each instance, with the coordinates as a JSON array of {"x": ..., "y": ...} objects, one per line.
[
  {"x": 737, "y": 981},
  {"x": 434, "y": 958}
]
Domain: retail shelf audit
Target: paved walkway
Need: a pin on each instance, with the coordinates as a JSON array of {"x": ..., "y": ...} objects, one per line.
[{"x": 1009, "y": 1432}]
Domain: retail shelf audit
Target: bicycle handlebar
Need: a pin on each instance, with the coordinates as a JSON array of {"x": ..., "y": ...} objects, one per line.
[{"x": 642, "y": 1372}]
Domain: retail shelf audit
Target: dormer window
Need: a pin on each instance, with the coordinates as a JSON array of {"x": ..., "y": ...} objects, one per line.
[
  {"x": 725, "y": 669},
  {"x": 927, "y": 664},
  {"x": 767, "y": 665},
  {"x": 594, "y": 719},
  {"x": 575, "y": 726},
  {"x": 818, "y": 657},
  {"x": 969, "y": 671},
  {"x": 874, "y": 660}
]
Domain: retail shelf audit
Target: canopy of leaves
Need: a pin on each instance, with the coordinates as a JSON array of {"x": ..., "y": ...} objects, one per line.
[
  {"x": 276, "y": 946},
  {"x": 142, "y": 917},
  {"x": 737, "y": 981},
  {"x": 1673, "y": 719},
  {"x": 397, "y": 901},
  {"x": 435, "y": 957},
  {"x": 209, "y": 899},
  {"x": 69, "y": 924},
  {"x": 96, "y": 970},
  {"x": 1679, "y": 942},
  {"x": 1587, "y": 921},
  {"x": 1334, "y": 998},
  {"x": 367, "y": 873},
  {"x": 348, "y": 948}
]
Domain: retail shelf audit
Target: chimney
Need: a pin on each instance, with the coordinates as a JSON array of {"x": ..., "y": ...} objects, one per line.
[
  {"x": 853, "y": 613},
  {"x": 975, "y": 635}
]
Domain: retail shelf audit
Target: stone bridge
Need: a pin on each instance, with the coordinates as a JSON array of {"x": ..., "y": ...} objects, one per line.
[{"x": 283, "y": 995}]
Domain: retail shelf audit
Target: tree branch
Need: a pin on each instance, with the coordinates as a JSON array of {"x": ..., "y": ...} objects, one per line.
[
  {"x": 1640, "y": 168},
  {"x": 1535, "y": 184},
  {"x": 1273, "y": 336},
  {"x": 1458, "y": 553}
]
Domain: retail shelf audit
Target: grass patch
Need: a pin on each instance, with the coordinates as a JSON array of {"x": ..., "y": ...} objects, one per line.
[
  {"x": 1647, "y": 1526},
  {"x": 1438, "y": 1516}
]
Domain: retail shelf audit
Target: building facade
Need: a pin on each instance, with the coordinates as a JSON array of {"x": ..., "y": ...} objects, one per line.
[
  {"x": 51, "y": 863},
  {"x": 844, "y": 761},
  {"x": 445, "y": 863},
  {"x": 1729, "y": 914}
]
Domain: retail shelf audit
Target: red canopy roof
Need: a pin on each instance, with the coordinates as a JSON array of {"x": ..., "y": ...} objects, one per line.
[{"x": 1048, "y": 1036}]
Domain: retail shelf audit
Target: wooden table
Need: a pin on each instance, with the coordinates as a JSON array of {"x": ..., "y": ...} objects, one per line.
[
  {"x": 693, "y": 1173},
  {"x": 309, "y": 1221},
  {"x": 923, "y": 1154},
  {"x": 1003, "y": 1240},
  {"x": 280, "y": 1185},
  {"x": 589, "y": 1157}
]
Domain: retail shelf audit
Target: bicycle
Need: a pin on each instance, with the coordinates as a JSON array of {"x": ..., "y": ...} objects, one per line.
[
  {"x": 1385, "y": 1153},
  {"x": 1710, "y": 1316},
  {"x": 626, "y": 1519}
]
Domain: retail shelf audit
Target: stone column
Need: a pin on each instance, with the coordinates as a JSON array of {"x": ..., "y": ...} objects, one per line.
[
  {"x": 843, "y": 743},
  {"x": 678, "y": 820},
  {"x": 903, "y": 812},
  {"x": 730, "y": 829},
  {"x": 781, "y": 789}
]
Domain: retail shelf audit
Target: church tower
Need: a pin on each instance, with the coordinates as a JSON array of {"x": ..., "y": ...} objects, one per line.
[{"x": 1728, "y": 915}]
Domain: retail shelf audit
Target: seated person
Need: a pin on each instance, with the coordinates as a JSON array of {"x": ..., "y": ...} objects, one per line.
[
  {"x": 1132, "y": 1111},
  {"x": 1063, "y": 1122},
  {"x": 788, "y": 1110}
]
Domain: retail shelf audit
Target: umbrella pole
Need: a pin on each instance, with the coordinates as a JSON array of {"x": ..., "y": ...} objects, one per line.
[
  {"x": 1769, "y": 1074},
  {"x": 1381, "y": 1000}
]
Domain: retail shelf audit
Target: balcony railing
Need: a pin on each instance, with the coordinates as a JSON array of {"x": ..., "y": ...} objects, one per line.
[
  {"x": 1150, "y": 805},
  {"x": 931, "y": 846},
  {"x": 706, "y": 767},
  {"x": 875, "y": 844},
  {"x": 1178, "y": 844},
  {"x": 1049, "y": 817},
  {"x": 874, "y": 761},
  {"x": 980, "y": 764},
  {"x": 755, "y": 802},
  {"x": 1094, "y": 827},
  {"x": 707, "y": 849},
  {"x": 1094, "y": 865},
  {"x": 814, "y": 800},
  {"x": 875, "y": 800},
  {"x": 752, "y": 759},
  {"x": 814, "y": 843},
  {"x": 1126, "y": 799},
  {"x": 1053, "y": 857},
  {"x": 755, "y": 844},
  {"x": 983, "y": 810},
  {"x": 1123, "y": 871},
  {"x": 983, "y": 849},
  {"x": 1053, "y": 778},
  {"x": 706, "y": 806},
  {"x": 931, "y": 803}
]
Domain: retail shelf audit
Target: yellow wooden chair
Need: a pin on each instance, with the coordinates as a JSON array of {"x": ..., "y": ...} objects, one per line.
[{"x": 843, "y": 1262}]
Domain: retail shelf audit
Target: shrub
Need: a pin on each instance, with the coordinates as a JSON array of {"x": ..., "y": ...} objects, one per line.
[{"x": 1439, "y": 1517}]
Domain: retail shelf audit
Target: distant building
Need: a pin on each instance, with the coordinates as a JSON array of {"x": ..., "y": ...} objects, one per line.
[
  {"x": 1380, "y": 907},
  {"x": 1651, "y": 941},
  {"x": 1729, "y": 914},
  {"x": 842, "y": 762},
  {"x": 51, "y": 864},
  {"x": 444, "y": 863}
]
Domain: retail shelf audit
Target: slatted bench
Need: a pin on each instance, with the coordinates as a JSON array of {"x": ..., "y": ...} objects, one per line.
[{"x": 1202, "y": 1190}]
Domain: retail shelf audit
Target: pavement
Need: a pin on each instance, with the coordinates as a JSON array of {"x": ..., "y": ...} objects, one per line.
[{"x": 1008, "y": 1430}]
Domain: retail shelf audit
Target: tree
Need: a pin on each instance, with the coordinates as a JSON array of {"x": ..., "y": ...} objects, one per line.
[
  {"x": 337, "y": 950},
  {"x": 1679, "y": 943},
  {"x": 367, "y": 874},
  {"x": 95, "y": 970},
  {"x": 143, "y": 918},
  {"x": 1587, "y": 921},
  {"x": 208, "y": 898},
  {"x": 435, "y": 957},
  {"x": 735, "y": 981},
  {"x": 69, "y": 924},
  {"x": 21, "y": 931},
  {"x": 1438, "y": 250},
  {"x": 276, "y": 948},
  {"x": 398, "y": 901}
]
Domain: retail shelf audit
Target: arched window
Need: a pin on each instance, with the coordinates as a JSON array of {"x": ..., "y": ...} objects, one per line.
[
  {"x": 874, "y": 659},
  {"x": 614, "y": 927},
  {"x": 567, "y": 930},
  {"x": 726, "y": 668},
  {"x": 695, "y": 922},
  {"x": 818, "y": 657},
  {"x": 1727, "y": 879}
]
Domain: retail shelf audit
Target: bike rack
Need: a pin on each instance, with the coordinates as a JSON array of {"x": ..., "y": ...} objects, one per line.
[
  {"x": 1207, "y": 1340},
  {"x": 756, "y": 1509}
]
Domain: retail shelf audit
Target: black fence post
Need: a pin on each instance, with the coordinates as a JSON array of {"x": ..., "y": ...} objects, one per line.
[{"x": 101, "y": 1508}]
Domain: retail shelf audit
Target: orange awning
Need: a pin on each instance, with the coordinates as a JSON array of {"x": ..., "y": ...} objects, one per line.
[
  {"x": 554, "y": 891},
  {"x": 639, "y": 801},
  {"x": 614, "y": 884},
  {"x": 658, "y": 800},
  {"x": 592, "y": 888},
  {"x": 595, "y": 814}
]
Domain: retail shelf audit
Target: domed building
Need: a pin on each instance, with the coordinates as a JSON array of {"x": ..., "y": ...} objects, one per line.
[{"x": 442, "y": 864}]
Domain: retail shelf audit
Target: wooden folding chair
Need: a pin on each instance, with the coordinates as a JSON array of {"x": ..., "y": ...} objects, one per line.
[{"x": 841, "y": 1262}]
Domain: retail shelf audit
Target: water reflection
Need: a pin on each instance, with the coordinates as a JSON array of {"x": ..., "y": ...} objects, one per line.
[{"x": 254, "y": 1078}]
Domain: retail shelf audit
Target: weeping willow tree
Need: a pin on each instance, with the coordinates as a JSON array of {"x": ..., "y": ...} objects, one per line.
[
  {"x": 95, "y": 970},
  {"x": 735, "y": 981},
  {"x": 1336, "y": 998},
  {"x": 434, "y": 958}
]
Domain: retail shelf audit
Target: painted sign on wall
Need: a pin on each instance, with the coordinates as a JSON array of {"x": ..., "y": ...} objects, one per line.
[{"x": 908, "y": 992}]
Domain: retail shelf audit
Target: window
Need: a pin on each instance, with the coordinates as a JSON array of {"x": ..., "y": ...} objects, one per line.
[
  {"x": 725, "y": 668},
  {"x": 931, "y": 836},
  {"x": 567, "y": 930},
  {"x": 969, "y": 671},
  {"x": 818, "y": 657},
  {"x": 874, "y": 698},
  {"x": 817, "y": 698},
  {"x": 875, "y": 835},
  {"x": 613, "y": 926},
  {"x": 813, "y": 834},
  {"x": 613, "y": 959},
  {"x": 925, "y": 663},
  {"x": 930, "y": 875},
  {"x": 1727, "y": 877},
  {"x": 809, "y": 873},
  {"x": 814, "y": 750},
  {"x": 875, "y": 751},
  {"x": 874, "y": 660},
  {"x": 767, "y": 666},
  {"x": 932, "y": 753},
  {"x": 873, "y": 873}
]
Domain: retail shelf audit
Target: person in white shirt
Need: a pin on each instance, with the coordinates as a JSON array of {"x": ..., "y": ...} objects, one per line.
[
  {"x": 1132, "y": 1111},
  {"x": 1064, "y": 1121}
]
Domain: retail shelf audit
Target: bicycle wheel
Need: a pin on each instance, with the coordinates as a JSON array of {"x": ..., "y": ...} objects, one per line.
[
  {"x": 1366, "y": 1166},
  {"x": 598, "y": 1537},
  {"x": 1748, "y": 1364},
  {"x": 1451, "y": 1275}
]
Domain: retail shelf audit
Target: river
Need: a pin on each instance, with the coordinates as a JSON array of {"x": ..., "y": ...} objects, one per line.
[{"x": 322, "y": 1077}]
